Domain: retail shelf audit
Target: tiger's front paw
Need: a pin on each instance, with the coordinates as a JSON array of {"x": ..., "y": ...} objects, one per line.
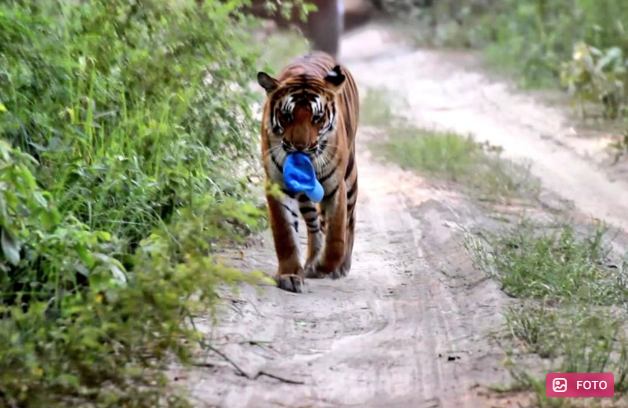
[
  {"x": 290, "y": 283},
  {"x": 289, "y": 277},
  {"x": 316, "y": 270}
]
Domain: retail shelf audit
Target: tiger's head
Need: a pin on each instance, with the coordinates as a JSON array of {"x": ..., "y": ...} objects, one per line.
[{"x": 302, "y": 112}]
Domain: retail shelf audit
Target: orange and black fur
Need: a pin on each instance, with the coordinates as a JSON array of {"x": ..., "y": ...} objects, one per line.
[{"x": 312, "y": 107}]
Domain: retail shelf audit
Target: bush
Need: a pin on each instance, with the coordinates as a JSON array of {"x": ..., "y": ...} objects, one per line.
[
  {"x": 581, "y": 45},
  {"x": 538, "y": 35},
  {"x": 124, "y": 127},
  {"x": 533, "y": 37}
]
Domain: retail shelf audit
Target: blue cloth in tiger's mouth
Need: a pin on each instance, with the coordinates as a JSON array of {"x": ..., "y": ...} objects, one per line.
[{"x": 299, "y": 176}]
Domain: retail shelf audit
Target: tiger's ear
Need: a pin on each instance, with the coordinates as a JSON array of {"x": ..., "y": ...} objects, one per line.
[
  {"x": 335, "y": 78},
  {"x": 267, "y": 82}
]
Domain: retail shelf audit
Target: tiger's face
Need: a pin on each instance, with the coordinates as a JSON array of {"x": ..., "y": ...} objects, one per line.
[{"x": 302, "y": 114}]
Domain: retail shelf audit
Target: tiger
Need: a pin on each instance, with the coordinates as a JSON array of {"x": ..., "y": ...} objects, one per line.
[{"x": 313, "y": 107}]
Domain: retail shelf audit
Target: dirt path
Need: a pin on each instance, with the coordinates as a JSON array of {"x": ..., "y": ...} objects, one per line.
[
  {"x": 445, "y": 89},
  {"x": 407, "y": 328},
  {"x": 410, "y": 326}
]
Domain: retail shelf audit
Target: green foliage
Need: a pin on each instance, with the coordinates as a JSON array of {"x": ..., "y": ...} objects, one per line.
[
  {"x": 444, "y": 154},
  {"x": 536, "y": 36},
  {"x": 573, "y": 299},
  {"x": 445, "y": 23},
  {"x": 557, "y": 264},
  {"x": 294, "y": 11},
  {"x": 596, "y": 75},
  {"x": 125, "y": 133},
  {"x": 376, "y": 108},
  {"x": 573, "y": 338},
  {"x": 280, "y": 49},
  {"x": 458, "y": 158},
  {"x": 581, "y": 45},
  {"x": 542, "y": 40}
]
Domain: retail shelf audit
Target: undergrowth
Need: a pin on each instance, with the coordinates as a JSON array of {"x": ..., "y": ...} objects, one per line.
[
  {"x": 125, "y": 128},
  {"x": 571, "y": 313},
  {"x": 578, "y": 45},
  {"x": 445, "y": 154}
]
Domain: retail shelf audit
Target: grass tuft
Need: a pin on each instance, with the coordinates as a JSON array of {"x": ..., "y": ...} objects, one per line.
[
  {"x": 444, "y": 154},
  {"x": 573, "y": 298},
  {"x": 532, "y": 262}
]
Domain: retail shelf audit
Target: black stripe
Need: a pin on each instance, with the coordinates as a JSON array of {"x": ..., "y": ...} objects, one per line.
[
  {"x": 313, "y": 231},
  {"x": 351, "y": 222},
  {"x": 350, "y": 207},
  {"x": 350, "y": 165},
  {"x": 351, "y": 192},
  {"x": 312, "y": 224},
  {"x": 328, "y": 175},
  {"x": 286, "y": 192},
  {"x": 303, "y": 198},
  {"x": 272, "y": 158},
  {"x": 276, "y": 163},
  {"x": 295, "y": 225},
  {"x": 290, "y": 210},
  {"x": 331, "y": 193},
  {"x": 306, "y": 210},
  {"x": 310, "y": 216}
]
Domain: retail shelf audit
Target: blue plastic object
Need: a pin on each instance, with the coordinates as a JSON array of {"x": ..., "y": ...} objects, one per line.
[{"x": 299, "y": 177}]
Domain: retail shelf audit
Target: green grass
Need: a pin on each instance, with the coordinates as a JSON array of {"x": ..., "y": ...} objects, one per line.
[
  {"x": 573, "y": 294},
  {"x": 121, "y": 172},
  {"x": 533, "y": 262},
  {"x": 573, "y": 301},
  {"x": 376, "y": 108},
  {"x": 445, "y": 155}
]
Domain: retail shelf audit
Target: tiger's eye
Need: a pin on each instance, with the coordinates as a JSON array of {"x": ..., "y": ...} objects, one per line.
[
  {"x": 286, "y": 116},
  {"x": 317, "y": 118}
]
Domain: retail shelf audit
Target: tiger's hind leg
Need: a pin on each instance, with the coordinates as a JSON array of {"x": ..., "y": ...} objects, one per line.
[
  {"x": 345, "y": 267},
  {"x": 284, "y": 222},
  {"x": 352, "y": 199},
  {"x": 315, "y": 235}
]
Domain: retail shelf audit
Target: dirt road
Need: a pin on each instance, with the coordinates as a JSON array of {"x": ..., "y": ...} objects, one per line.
[
  {"x": 445, "y": 89},
  {"x": 410, "y": 326}
]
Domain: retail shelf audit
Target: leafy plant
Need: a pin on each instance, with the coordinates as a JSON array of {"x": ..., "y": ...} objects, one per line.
[
  {"x": 126, "y": 139},
  {"x": 595, "y": 75}
]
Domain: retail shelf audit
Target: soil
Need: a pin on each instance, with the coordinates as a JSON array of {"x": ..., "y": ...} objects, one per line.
[{"x": 411, "y": 325}]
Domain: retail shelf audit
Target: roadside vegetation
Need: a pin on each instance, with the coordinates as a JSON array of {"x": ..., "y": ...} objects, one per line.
[
  {"x": 580, "y": 46},
  {"x": 571, "y": 316},
  {"x": 126, "y": 139},
  {"x": 445, "y": 155},
  {"x": 569, "y": 286}
]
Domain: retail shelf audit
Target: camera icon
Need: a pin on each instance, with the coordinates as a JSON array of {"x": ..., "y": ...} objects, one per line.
[{"x": 559, "y": 384}]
